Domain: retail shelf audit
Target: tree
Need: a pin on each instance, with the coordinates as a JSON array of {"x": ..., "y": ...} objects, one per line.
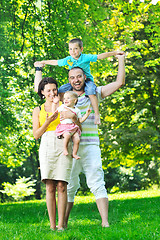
[{"x": 36, "y": 30}]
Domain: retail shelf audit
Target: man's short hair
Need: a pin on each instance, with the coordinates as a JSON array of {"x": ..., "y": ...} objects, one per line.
[
  {"x": 78, "y": 68},
  {"x": 77, "y": 40}
]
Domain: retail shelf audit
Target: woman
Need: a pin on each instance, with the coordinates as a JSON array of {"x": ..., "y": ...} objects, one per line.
[{"x": 54, "y": 165}]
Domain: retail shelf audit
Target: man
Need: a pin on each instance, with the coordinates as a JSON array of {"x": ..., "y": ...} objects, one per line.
[{"x": 90, "y": 162}]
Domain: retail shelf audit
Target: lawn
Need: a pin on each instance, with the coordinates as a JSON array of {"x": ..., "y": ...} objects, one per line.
[{"x": 133, "y": 215}]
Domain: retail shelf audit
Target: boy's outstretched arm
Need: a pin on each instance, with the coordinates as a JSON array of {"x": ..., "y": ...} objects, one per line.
[
  {"x": 109, "y": 54},
  {"x": 50, "y": 62}
]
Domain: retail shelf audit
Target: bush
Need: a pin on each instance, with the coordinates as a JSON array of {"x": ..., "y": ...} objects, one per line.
[{"x": 21, "y": 189}]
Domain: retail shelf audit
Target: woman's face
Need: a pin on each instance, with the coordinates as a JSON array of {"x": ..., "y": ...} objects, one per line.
[{"x": 50, "y": 91}]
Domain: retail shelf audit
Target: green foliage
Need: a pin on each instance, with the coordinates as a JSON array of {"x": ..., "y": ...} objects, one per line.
[
  {"x": 21, "y": 189},
  {"x": 36, "y": 30}
]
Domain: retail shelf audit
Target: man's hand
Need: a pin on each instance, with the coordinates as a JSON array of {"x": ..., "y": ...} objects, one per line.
[
  {"x": 68, "y": 114},
  {"x": 118, "y": 52},
  {"x": 120, "y": 56}
]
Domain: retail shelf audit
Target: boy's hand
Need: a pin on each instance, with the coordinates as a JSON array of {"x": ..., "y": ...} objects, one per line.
[
  {"x": 43, "y": 62},
  {"x": 39, "y": 64}
]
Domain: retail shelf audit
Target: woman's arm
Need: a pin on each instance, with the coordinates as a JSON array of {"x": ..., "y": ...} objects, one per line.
[{"x": 37, "y": 130}]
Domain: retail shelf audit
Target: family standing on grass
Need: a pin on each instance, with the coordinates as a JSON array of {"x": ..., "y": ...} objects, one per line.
[{"x": 70, "y": 114}]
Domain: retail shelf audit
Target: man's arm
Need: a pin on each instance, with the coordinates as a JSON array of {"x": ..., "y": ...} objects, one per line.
[
  {"x": 120, "y": 80},
  {"x": 109, "y": 54},
  {"x": 38, "y": 75}
]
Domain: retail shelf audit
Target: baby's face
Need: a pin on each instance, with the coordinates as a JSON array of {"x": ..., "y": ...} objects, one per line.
[
  {"x": 69, "y": 100},
  {"x": 75, "y": 50}
]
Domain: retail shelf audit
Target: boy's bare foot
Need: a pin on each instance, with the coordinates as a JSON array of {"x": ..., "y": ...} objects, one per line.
[
  {"x": 75, "y": 156},
  {"x": 97, "y": 120}
]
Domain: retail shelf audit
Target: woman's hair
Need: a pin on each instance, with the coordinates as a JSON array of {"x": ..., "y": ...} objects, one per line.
[
  {"x": 73, "y": 95},
  {"x": 44, "y": 82}
]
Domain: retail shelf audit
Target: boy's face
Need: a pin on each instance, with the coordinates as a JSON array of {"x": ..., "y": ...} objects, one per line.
[{"x": 75, "y": 50}]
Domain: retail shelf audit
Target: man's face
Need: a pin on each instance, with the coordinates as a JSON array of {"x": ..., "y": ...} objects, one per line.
[{"x": 77, "y": 79}]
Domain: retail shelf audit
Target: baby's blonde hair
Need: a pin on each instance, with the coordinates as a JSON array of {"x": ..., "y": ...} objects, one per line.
[{"x": 73, "y": 95}]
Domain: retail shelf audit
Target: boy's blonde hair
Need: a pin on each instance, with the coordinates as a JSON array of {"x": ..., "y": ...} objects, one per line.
[{"x": 77, "y": 40}]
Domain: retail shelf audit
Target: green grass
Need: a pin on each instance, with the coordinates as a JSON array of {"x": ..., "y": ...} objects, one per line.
[{"x": 134, "y": 215}]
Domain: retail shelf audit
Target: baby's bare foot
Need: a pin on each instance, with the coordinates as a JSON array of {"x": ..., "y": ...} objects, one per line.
[
  {"x": 76, "y": 156},
  {"x": 65, "y": 152}
]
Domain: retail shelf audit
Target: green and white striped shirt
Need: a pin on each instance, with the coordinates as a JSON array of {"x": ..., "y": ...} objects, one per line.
[{"x": 89, "y": 129}]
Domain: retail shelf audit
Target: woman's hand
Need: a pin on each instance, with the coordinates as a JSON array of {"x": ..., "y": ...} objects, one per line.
[{"x": 51, "y": 118}]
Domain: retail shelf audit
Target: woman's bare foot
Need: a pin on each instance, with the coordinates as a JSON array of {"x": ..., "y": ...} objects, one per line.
[
  {"x": 60, "y": 229},
  {"x": 53, "y": 228}
]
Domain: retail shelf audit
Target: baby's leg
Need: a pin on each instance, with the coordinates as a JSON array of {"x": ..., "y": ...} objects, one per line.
[
  {"x": 94, "y": 102},
  {"x": 76, "y": 141},
  {"x": 66, "y": 139}
]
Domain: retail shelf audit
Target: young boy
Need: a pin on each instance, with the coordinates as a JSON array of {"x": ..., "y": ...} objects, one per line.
[{"x": 77, "y": 59}]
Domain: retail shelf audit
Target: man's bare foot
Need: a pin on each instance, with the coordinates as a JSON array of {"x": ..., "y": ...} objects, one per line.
[
  {"x": 65, "y": 152},
  {"x": 105, "y": 225},
  {"x": 75, "y": 156},
  {"x": 97, "y": 120},
  {"x": 65, "y": 225}
]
